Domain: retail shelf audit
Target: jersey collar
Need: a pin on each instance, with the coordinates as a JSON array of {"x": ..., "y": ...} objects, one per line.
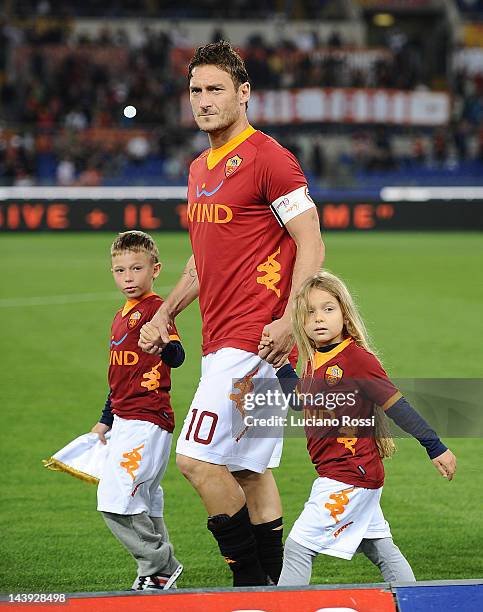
[
  {"x": 130, "y": 304},
  {"x": 216, "y": 155},
  {"x": 321, "y": 358}
]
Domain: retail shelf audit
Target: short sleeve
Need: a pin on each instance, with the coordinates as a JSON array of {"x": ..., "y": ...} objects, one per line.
[
  {"x": 277, "y": 172},
  {"x": 374, "y": 382}
]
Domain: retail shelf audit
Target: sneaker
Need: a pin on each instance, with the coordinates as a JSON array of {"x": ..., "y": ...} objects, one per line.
[{"x": 157, "y": 582}]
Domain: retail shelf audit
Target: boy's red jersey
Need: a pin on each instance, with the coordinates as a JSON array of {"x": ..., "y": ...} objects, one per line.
[
  {"x": 244, "y": 256},
  {"x": 345, "y": 453},
  {"x": 139, "y": 383}
]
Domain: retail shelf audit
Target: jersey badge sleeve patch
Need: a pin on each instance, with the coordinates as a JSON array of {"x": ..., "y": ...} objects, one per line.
[
  {"x": 232, "y": 165},
  {"x": 333, "y": 375},
  {"x": 134, "y": 319}
]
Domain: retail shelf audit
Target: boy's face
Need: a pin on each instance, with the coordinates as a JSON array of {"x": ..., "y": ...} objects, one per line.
[{"x": 134, "y": 273}]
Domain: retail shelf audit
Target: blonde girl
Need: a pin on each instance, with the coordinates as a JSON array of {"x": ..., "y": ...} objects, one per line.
[{"x": 348, "y": 441}]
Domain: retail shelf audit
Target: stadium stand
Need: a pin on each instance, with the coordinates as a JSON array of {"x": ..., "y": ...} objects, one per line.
[{"x": 67, "y": 72}]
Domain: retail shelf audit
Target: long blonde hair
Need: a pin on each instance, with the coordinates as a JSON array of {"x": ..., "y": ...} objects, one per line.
[{"x": 353, "y": 327}]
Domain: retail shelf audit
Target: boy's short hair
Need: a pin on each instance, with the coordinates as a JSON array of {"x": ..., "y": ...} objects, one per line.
[
  {"x": 135, "y": 241},
  {"x": 224, "y": 56}
]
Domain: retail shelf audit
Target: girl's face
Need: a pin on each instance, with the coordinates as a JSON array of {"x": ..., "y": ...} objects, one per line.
[{"x": 324, "y": 322}]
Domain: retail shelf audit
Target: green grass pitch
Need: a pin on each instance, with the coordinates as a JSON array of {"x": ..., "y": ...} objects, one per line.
[{"x": 421, "y": 296}]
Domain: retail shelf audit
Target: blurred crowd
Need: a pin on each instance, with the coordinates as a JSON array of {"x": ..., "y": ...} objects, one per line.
[
  {"x": 191, "y": 9},
  {"x": 471, "y": 7},
  {"x": 62, "y": 101}
]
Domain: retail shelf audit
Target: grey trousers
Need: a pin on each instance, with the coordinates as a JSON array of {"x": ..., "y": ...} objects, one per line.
[
  {"x": 394, "y": 567},
  {"x": 146, "y": 538}
]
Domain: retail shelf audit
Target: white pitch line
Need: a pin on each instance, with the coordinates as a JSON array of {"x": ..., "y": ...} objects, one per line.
[{"x": 69, "y": 298}]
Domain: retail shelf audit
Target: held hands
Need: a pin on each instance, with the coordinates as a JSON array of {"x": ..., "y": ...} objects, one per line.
[
  {"x": 445, "y": 464},
  {"x": 100, "y": 429},
  {"x": 154, "y": 335},
  {"x": 276, "y": 342}
]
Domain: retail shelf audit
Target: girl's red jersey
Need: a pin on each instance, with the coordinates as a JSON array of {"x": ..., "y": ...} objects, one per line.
[{"x": 350, "y": 380}]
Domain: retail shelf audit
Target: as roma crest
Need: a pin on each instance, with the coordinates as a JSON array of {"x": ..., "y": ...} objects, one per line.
[
  {"x": 333, "y": 375},
  {"x": 232, "y": 165},
  {"x": 133, "y": 319}
]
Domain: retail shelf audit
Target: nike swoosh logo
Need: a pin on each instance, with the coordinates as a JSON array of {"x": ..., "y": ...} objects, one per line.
[
  {"x": 114, "y": 343},
  {"x": 207, "y": 193}
]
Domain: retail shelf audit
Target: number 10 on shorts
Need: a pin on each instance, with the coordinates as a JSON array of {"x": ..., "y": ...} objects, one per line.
[{"x": 203, "y": 417}]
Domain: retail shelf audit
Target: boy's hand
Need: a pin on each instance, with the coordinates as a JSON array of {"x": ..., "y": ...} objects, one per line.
[
  {"x": 151, "y": 338},
  {"x": 445, "y": 464},
  {"x": 154, "y": 334},
  {"x": 100, "y": 429}
]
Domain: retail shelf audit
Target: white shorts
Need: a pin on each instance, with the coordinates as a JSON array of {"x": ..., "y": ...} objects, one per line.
[
  {"x": 214, "y": 430},
  {"x": 337, "y": 517},
  {"x": 137, "y": 457}
]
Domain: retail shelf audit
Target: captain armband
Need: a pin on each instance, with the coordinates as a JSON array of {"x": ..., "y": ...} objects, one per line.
[{"x": 291, "y": 205}]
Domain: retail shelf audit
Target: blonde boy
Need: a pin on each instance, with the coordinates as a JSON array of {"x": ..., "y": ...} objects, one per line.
[{"x": 138, "y": 412}]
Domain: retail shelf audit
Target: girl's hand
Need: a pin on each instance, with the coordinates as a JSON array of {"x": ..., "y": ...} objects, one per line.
[
  {"x": 264, "y": 342},
  {"x": 284, "y": 363},
  {"x": 445, "y": 464},
  {"x": 277, "y": 342}
]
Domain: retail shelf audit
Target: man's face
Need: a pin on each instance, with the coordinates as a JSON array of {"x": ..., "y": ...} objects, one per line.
[{"x": 215, "y": 101}]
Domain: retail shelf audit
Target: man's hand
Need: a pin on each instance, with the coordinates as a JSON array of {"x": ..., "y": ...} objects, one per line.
[
  {"x": 445, "y": 464},
  {"x": 100, "y": 429},
  {"x": 154, "y": 335},
  {"x": 276, "y": 342}
]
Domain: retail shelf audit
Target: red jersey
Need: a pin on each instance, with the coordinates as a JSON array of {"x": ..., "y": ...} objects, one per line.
[
  {"x": 244, "y": 256},
  {"x": 139, "y": 382},
  {"x": 345, "y": 453}
]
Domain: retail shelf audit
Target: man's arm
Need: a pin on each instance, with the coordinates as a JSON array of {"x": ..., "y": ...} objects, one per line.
[
  {"x": 305, "y": 230},
  {"x": 155, "y": 334}
]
